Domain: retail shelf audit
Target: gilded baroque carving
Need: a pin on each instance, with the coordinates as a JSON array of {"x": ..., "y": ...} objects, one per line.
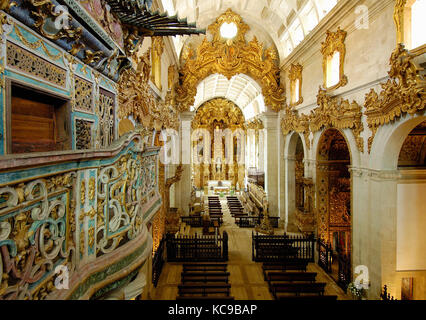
[
  {"x": 29, "y": 63},
  {"x": 135, "y": 97},
  {"x": 106, "y": 119},
  {"x": 291, "y": 121},
  {"x": 83, "y": 97},
  {"x": 44, "y": 12},
  {"x": 6, "y": 5},
  {"x": 335, "y": 41},
  {"x": 338, "y": 113},
  {"x": 403, "y": 93},
  {"x": 230, "y": 58},
  {"x": 294, "y": 75},
  {"x": 255, "y": 124},
  {"x": 398, "y": 17},
  {"x": 33, "y": 237},
  {"x": 220, "y": 110},
  {"x": 157, "y": 50},
  {"x": 412, "y": 148},
  {"x": 37, "y": 44},
  {"x": 332, "y": 112}
]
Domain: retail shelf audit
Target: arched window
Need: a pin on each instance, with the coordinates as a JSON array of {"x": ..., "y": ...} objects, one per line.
[
  {"x": 334, "y": 51},
  {"x": 295, "y": 77}
]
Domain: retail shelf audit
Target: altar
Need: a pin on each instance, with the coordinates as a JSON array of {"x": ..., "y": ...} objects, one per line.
[{"x": 219, "y": 186}]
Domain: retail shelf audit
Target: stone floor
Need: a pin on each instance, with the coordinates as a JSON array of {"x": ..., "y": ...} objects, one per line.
[{"x": 246, "y": 278}]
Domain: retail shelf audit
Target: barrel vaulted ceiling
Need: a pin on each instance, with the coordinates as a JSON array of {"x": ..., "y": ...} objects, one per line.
[
  {"x": 285, "y": 22},
  {"x": 282, "y": 24}
]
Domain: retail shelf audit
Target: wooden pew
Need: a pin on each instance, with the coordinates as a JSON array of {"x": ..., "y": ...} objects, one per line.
[
  {"x": 284, "y": 297},
  {"x": 297, "y": 288},
  {"x": 204, "y": 289},
  {"x": 205, "y": 277},
  {"x": 291, "y": 276},
  {"x": 284, "y": 266},
  {"x": 195, "y": 297},
  {"x": 205, "y": 267}
]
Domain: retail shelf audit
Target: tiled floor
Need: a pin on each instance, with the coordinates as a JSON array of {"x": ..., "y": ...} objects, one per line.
[{"x": 246, "y": 278}]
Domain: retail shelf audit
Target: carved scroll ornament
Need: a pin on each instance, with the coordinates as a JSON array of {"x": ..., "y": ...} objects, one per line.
[
  {"x": 230, "y": 58},
  {"x": 403, "y": 93},
  {"x": 332, "y": 112}
]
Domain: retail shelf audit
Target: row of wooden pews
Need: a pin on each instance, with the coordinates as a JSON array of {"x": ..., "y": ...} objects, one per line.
[
  {"x": 289, "y": 280},
  {"x": 215, "y": 208},
  {"x": 235, "y": 206},
  {"x": 205, "y": 281},
  {"x": 242, "y": 218}
]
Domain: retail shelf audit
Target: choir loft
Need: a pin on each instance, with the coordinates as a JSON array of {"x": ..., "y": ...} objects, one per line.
[{"x": 234, "y": 150}]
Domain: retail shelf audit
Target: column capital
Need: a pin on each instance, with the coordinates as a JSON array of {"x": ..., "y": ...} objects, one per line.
[
  {"x": 187, "y": 116},
  {"x": 270, "y": 119}
]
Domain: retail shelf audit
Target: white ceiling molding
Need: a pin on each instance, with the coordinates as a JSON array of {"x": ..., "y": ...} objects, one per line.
[
  {"x": 240, "y": 89},
  {"x": 268, "y": 18}
]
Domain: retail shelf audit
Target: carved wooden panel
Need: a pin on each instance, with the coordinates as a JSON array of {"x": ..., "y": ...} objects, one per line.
[
  {"x": 83, "y": 95},
  {"x": 105, "y": 112},
  {"x": 29, "y": 63},
  {"x": 83, "y": 133}
]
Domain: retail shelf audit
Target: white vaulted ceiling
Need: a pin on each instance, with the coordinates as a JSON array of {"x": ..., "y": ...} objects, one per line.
[
  {"x": 240, "y": 89},
  {"x": 285, "y": 22}
]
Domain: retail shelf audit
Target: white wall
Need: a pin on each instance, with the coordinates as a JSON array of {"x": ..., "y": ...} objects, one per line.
[{"x": 411, "y": 227}]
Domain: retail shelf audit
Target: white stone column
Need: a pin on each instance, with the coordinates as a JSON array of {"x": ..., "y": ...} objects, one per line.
[
  {"x": 183, "y": 187},
  {"x": 281, "y": 177},
  {"x": 270, "y": 153}
]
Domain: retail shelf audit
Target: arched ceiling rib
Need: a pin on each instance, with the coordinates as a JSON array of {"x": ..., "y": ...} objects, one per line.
[
  {"x": 285, "y": 22},
  {"x": 240, "y": 89}
]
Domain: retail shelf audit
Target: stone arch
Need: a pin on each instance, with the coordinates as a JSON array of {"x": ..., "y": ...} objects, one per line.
[
  {"x": 229, "y": 58},
  {"x": 389, "y": 140},
  {"x": 387, "y": 183},
  {"x": 334, "y": 190}
]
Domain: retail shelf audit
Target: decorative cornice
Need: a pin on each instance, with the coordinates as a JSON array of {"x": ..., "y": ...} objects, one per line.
[
  {"x": 332, "y": 112},
  {"x": 403, "y": 93}
]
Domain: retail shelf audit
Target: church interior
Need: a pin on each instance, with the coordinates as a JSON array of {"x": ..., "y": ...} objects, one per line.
[{"x": 194, "y": 149}]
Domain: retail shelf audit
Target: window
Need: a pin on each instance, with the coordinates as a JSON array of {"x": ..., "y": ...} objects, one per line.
[
  {"x": 418, "y": 23},
  {"x": 295, "y": 76},
  {"x": 297, "y": 32},
  {"x": 324, "y": 6},
  {"x": 410, "y": 23},
  {"x": 333, "y": 67},
  {"x": 334, "y": 51},
  {"x": 311, "y": 20},
  {"x": 39, "y": 122},
  {"x": 228, "y": 30}
]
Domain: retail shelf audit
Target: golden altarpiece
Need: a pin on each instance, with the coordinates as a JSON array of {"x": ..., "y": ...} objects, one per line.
[{"x": 219, "y": 144}]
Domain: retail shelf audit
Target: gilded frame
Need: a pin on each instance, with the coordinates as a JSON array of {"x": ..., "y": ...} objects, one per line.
[
  {"x": 294, "y": 75},
  {"x": 335, "y": 41}
]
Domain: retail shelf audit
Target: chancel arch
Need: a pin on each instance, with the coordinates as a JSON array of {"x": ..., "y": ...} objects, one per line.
[
  {"x": 219, "y": 143},
  {"x": 230, "y": 57}
]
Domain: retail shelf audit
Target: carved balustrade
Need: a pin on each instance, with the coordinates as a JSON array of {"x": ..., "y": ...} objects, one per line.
[{"x": 76, "y": 219}]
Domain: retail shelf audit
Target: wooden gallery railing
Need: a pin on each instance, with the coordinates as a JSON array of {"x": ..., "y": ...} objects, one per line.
[
  {"x": 158, "y": 262},
  {"x": 325, "y": 256},
  {"x": 325, "y": 261},
  {"x": 82, "y": 213},
  {"x": 278, "y": 248},
  {"x": 197, "y": 248},
  {"x": 344, "y": 273}
]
